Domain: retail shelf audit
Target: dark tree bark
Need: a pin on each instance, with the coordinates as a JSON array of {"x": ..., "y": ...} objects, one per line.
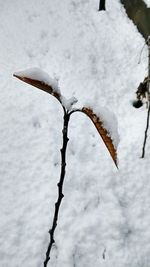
[{"x": 102, "y": 5}]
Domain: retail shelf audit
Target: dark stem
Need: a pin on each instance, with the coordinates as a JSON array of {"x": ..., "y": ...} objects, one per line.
[
  {"x": 148, "y": 96},
  {"x": 102, "y": 5},
  {"x": 60, "y": 185},
  {"x": 147, "y": 126}
]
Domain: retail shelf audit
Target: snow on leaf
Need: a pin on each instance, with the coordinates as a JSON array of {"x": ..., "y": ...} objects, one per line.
[
  {"x": 68, "y": 103},
  {"x": 41, "y": 80},
  {"x": 104, "y": 133}
]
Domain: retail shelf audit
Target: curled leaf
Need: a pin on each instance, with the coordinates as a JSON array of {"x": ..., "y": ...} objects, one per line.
[
  {"x": 41, "y": 80},
  {"x": 105, "y": 135}
]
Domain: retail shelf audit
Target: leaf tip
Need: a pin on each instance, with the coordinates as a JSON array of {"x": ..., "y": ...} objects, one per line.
[{"x": 104, "y": 133}]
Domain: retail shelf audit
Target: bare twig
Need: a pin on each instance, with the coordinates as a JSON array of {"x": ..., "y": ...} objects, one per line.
[
  {"x": 141, "y": 53},
  {"x": 146, "y": 131},
  {"x": 101, "y": 5},
  {"x": 148, "y": 96},
  {"x": 60, "y": 185},
  {"x": 104, "y": 254}
]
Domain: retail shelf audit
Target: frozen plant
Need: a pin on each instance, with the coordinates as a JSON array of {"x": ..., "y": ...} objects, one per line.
[
  {"x": 104, "y": 123},
  {"x": 143, "y": 97},
  {"x": 141, "y": 94}
]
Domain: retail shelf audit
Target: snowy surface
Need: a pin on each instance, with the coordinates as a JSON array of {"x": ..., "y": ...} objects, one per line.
[
  {"x": 147, "y": 2},
  {"x": 104, "y": 219},
  {"x": 68, "y": 103}
]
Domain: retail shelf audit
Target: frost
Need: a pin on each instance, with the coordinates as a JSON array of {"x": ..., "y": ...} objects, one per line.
[
  {"x": 39, "y": 75},
  {"x": 68, "y": 103}
]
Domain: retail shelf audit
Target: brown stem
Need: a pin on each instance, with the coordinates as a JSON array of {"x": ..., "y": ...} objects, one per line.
[{"x": 60, "y": 185}]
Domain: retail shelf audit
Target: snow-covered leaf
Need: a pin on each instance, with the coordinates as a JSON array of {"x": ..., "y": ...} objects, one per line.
[
  {"x": 41, "y": 80},
  {"x": 103, "y": 131}
]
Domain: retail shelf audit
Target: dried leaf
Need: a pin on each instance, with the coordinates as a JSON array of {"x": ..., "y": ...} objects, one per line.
[
  {"x": 41, "y": 85},
  {"x": 103, "y": 133}
]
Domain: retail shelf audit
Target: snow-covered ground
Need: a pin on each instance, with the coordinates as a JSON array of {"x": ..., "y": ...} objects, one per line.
[
  {"x": 104, "y": 218},
  {"x": 147, "y": 2}
]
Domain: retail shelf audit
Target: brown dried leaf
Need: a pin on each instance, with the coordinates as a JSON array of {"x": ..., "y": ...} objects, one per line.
[
  {"x": 103, "y": 133},
  {"x": 41, "y": 85}
]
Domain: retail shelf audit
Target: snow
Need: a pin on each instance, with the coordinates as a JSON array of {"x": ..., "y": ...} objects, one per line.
[
  {"x": 109, "y": 121},
  {"x": 68, "y": 103},
  {"x": 39, "y": 75},
  {"x": 104, "y": 211},
  {"x": 147, "y": 2}
]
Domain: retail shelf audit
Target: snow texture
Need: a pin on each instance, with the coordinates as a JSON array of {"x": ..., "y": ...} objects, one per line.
[
  {"x": 109, "y": 121},
  {"x": 104, "y": 218},
  {"x": 68, "y": 103},
  {"x": 147, "y": 2}
]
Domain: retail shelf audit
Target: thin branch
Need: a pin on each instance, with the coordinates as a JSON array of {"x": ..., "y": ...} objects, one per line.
[
  {"x": 148, "y": 96},
  {"x": 74, "y": 110},
  {"x": 101, "y": 5},
  {"x": 60, "y": 186},
  {"x": 141, "y": 53},
  {"x": 146, "y": 131}
]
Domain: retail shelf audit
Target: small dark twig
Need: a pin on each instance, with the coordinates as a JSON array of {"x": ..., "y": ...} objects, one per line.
[
  {"x": 102, "y": 5},
  {"x": 148, "y": 100},
  {"x": 142, "y": 52},
  {"x": 104, "y": 254},
  {"x": 146, "y": 131},
  {"x": 60, "y": 185}
]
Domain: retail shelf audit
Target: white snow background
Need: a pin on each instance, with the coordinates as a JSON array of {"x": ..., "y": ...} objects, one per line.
[
  {"x": 104, "y": 217},
  {"x": 147, "y": 2}
]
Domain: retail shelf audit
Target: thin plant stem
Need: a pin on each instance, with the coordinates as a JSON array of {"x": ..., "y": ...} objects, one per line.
[
  {"x": 148, "y": 96},
  {"x": 60, "y": 185},
  {"x": 141, "y": 53},
  {"x": 146, "y": 131},
  {"x": 101, "y": 5}
]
